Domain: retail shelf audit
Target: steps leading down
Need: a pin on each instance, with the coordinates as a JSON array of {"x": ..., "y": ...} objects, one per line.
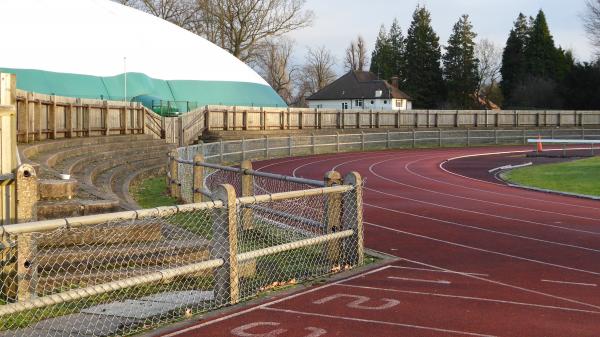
[{"x": 100, "y": 171}]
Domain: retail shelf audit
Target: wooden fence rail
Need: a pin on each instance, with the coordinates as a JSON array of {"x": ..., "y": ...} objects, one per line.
[{"x": 41, "y": 117}]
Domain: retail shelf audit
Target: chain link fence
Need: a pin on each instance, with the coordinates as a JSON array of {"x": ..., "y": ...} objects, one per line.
[{"x": 122, "y": 273}]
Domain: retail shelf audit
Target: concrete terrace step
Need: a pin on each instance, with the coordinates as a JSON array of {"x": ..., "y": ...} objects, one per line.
[
  {"x": 77, "y": 164},
  {"x": 32, "y": 151},
  {"x": 53, "y": 189},
  {"x": 105, "y": 180},
  {"x": 50, "y": 159}
]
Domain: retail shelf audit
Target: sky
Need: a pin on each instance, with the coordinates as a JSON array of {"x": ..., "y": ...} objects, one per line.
[{"x": 337, "y": 22}]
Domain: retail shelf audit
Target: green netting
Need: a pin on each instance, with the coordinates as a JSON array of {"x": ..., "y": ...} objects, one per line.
[{"x": 197, "y": 92}]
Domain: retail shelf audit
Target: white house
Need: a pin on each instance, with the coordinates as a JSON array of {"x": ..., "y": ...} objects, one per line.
[{"x": 360, "y": 90}]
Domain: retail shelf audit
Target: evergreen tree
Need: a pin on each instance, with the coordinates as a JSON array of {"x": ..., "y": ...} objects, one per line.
[
  {"x": 423, "y": 75},
  {"x": 461, "y": 65},
  {"x": 514, "y": 64},
  {"x": 381, "y": 58},
  {"x": 541, "y": 55},
  {"x": 397, "y": 45}
]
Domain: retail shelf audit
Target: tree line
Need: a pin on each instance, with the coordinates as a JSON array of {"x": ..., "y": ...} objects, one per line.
[{"x": 530, "y": 72}]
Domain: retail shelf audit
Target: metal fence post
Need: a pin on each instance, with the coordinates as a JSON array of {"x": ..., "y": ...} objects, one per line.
[
  {"x": 312, "y": 143},
  {"x": 440, "y": 138},
  {"x": 225, "y": 246},
  {"x": 496, "y": 136},
  {"x": 524, "y": 137},
  {"x": 362, "y": 141},
  {"x": 337, "y": 142},
  {"x": 221, "y": 150},
  {"x": 266, "y": 147},
  {"x": 247, "y": 190},
  {"x": 414, "y": 139},
  {"x": 290, "y": 145},
  {"x": 198, "y": 178},
  {"x": 353, "y": 213},
  {"x": 387, "y": 144},
  {"x": 243, "y": 149},
  {"x": 333, "y": 212},
  {"x": 468, "y": 137},
  {"x": 173, "y": 172}
]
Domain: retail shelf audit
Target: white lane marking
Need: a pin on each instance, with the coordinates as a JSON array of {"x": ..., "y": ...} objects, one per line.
[
  {"x": 440, "y": 271},
  {"x": 497, "y": 253},
  {"x": 482, "y": 299},
  {"x": 480, "y": 228},
  {"x": 418, "y": 280},
  {"x": 376, "y": 322},
  {"x": 407, "y": 169},
  {"x": 264, "y": 305},
  {"x": 358, "y": 302},
  {"x": 572, "y": 283},
  {"x": 511, "y": 195},
  {"x": 481, "y": 250},
  {"x": 471, "y": 211}
]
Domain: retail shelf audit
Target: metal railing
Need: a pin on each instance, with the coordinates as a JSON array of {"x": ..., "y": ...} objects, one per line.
[
  {"x": 237, "y": 151},
  {"x": 117, "y": 273}
]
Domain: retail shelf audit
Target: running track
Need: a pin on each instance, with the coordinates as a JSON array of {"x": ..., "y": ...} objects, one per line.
[{"x": 476, "y": 258}]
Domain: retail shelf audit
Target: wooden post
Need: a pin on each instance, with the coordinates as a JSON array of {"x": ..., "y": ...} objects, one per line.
[
  {"x": 8, "y": 145},
  {"x": 320, "y": 115},
  {"x": 456, "y": 119},
  {"x": 198, "y": 179},
  {"x": 358, "y": 120},
  {"x": 52, "y": 117},
  {"x": 173, "y": 170},
  {"x": 123, "y": 120},
  {"x": 26, "y": 267},
  {"x": 106, "y": 110},
  {"x": 87, "y": 120},
  {"x": 23, "y": 119},
  {"x": 37, "y": 116},
  {"x": 516, "y": 118},
  {"x": 288, "y": 118},
  {"x": 225, "y": 246},
  {"x": 247, "y": 220},
  {"x": 378, "y": 119},
  {"x": 78, "y": 115},
  {"x": 333, "y": 212},
  {"x": 69, "y": 120},
  {"x": 263, "y": 119},
  {"x": 300, "y": 120},
  {"x": 398, "y": 119},
  {"x": 245, "y": 120},
  {"x": 354, "y": 250}
]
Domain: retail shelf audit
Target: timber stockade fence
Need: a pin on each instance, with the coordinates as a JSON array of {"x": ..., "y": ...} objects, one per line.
[
  {"x": 121, "y": 273},
  {"x": 41, "y": 117}
]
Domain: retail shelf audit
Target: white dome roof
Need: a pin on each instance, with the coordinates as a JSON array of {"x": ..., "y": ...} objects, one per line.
[{"x": 92, "y": 37}]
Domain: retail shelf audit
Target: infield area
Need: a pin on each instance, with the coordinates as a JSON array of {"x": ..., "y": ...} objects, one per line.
[{"x": 475, "y": 258}]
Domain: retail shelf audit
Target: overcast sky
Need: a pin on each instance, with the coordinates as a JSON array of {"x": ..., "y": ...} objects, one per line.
[{"x": 339, "y": 21}]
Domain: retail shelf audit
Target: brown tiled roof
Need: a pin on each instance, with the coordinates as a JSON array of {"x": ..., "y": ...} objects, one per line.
[{"x": 357, "y": 85}]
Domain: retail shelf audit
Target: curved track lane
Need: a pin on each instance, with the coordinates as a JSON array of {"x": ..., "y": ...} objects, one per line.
[{"x": 477, "y": 257}]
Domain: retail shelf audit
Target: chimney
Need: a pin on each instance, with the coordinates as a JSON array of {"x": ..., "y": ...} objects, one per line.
[{"x": 395, "y": 81}]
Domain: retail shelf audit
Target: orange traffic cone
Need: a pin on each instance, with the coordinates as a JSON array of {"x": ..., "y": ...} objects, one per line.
[{"x": 540, "y": 148}]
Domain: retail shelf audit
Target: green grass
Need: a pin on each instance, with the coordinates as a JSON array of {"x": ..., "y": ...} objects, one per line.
[
  {"x": 580, "y": 176},
  {"x": 152, "y": 193}
]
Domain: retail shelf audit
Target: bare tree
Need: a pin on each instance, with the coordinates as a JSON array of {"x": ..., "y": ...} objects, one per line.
[
  {"x": 184, "y": 13},
  {"x": 244, "y": 24},
  {"x": 490, "y": 61},
  {"x": 356, "y": 55},
  {"x": 239, "y": 26},
  {"x": 591, "y": 21},
  {"x": 276, "y": 67},
  {"x": 316, "y": 73}
]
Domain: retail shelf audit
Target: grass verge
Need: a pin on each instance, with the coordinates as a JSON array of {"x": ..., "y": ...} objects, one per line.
[
  {"x": 152, "y": 193},
  {"x": 580, "y": 176}
]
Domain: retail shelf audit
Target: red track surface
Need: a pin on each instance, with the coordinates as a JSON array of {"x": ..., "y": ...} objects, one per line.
[{"x": 477, "y": 258}]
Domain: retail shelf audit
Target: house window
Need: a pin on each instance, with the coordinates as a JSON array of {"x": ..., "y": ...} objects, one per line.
[
  {"x": 345, "y": 105},
  {"x": 358, "y": 103},
  {"x": 399, "y": 103}
]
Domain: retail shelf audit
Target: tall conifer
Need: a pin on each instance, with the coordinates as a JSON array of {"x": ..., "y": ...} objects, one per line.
[
  {"x": 514, "y": 64},
  {"x": 423, "y": 74},
  {"x": 461, "y": 65}
]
